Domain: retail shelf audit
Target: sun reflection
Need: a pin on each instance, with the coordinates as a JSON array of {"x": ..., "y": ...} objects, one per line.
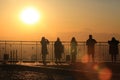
[
  {"x": 96, "y": 67},
  {"x": 105, "y": 74},
  {"x": 85, "y": 59}
]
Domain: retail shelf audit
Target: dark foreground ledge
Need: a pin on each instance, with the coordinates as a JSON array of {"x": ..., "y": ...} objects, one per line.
[{"x": 79, "y": 71}]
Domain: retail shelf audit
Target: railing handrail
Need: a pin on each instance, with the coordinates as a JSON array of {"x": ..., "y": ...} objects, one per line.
[
  {"x": 50, "y": 41},
  {"x": 22, "y": 46}
]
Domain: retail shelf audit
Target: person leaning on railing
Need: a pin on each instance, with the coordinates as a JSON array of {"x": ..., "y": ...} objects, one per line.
[
  {"x": 91, "y": 47},
  {"x": 44, "y": 42},
  {"x": 113, "y": 48}
]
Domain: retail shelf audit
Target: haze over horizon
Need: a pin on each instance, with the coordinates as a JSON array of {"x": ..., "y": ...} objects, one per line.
[{"x": 61, "y": 18}]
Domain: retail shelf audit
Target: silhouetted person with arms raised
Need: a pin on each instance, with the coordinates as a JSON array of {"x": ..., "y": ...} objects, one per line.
[
  {"x": 44, "y": 42},
  {"x": 73, "y": 45},
  {"x": 91, "y": 47},
  {"x": 58, "y": 50},
  {"x": 113, "y": 48}
]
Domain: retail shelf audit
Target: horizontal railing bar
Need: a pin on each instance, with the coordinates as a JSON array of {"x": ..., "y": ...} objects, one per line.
[{"x": 50, "y": 41}]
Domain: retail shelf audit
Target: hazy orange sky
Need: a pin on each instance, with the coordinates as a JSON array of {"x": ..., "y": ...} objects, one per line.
[{"x": 64, "y": 18}]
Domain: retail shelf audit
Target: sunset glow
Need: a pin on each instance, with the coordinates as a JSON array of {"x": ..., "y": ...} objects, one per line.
[
  {"x": 29, "y": 16},
  {"x": 59, "y": 39},
  {"x": 55, "y": 18}
]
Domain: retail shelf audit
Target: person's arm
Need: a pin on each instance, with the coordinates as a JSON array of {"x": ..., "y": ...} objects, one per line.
[
  {"x": 118, "y": 42},
  {"x": 95, "y": 41},
  {"x": 87, "y": 42},
  {"x": 108, "y": 42},
  {"x": 47, "y": 41},
  {"x": 76, "y": 43}
]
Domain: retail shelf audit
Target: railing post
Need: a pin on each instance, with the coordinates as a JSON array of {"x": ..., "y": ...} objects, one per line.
[
  {"x": 84, "y": 49},
  {"x": 21, "y": 53},
  {"x": 36, "y": 51},
  {"x": 100, "y": 54},
  {"x": 5, "y": 47},
  {"x": 52, "y": 50}
]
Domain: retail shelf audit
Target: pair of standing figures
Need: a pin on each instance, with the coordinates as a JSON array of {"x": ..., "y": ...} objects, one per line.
[
  {"x": 113, "y": 48},
  {"x": 58, "y": 49}
]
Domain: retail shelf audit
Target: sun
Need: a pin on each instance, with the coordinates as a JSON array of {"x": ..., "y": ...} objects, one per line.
[{"x": 30, "y": 15}]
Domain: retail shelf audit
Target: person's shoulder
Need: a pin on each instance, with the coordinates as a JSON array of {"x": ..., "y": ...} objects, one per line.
[
  {"x": 94, "y": 39},
  {"x": 87, "y": 40},
  {"x": 109, "y": 41},
  {"x": 117, "y": 41}
]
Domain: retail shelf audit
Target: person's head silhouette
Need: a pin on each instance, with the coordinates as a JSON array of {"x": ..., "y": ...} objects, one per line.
[
  {"x": 113, "y": 38},
  {"x": 58, "y": 39},
  {"x": 43, "y": 38},
  {"x": 73, "y": 39},
  {"x": 90, "y": 36}
]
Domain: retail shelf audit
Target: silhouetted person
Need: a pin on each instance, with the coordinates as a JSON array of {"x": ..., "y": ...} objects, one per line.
[
  {"x": 58, "y": 50},
  {"x": 91, "y": 47},
  {"x": 73, "y": 45},
  {"x": 44, "y": 42},
  {"x": 113, "y": 48}
]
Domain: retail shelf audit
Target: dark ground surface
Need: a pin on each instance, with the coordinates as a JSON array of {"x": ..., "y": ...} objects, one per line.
[{"x": 78, "y": 71}]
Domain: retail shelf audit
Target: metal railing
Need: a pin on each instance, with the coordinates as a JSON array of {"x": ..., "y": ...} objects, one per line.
[{"x": 31, "y": 51}]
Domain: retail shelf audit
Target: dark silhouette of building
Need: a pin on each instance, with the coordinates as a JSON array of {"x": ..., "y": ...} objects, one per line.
[
  {"x": 73, "y": 45},
  {"x": 58, "y": 50},
  {"x": 44, "y": 42},
  {"x": 91, "y": 47},
  {"x": 113, "y": 48}
]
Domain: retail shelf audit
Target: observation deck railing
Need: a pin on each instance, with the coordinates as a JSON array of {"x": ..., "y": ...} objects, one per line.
[{"x": 30, "y": 51}]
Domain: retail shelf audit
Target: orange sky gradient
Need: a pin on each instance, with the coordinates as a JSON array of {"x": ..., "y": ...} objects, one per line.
[{"x": 63, "y": 18}]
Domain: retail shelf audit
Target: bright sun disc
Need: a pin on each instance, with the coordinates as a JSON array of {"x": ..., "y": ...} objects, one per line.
[{"x": 29, "y": 16}]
